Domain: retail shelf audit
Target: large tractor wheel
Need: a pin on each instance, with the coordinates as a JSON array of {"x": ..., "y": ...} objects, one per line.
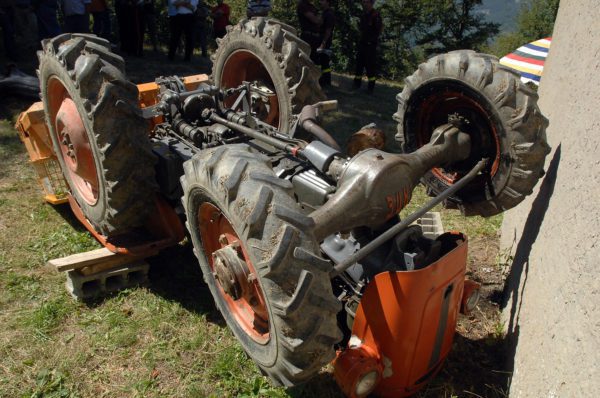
[
  {"x": 500, "y": 114},
  {"x": 258, "y": 257},
  {"x": 97, "y": 132},
  {"x": 269, "y": 54}
]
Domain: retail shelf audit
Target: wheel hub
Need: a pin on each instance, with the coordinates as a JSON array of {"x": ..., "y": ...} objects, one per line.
[
  {"x": 74, "y": 142},
  {"x": 230, "y": 270}
]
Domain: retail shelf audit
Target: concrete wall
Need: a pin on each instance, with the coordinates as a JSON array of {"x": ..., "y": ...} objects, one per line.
[{"x": 553, "y": 314}]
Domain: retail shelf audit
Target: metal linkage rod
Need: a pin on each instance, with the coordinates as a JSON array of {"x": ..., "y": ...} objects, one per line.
[
  {"x": 393, "y": 231},
  {"x": 279, "y": 144}
]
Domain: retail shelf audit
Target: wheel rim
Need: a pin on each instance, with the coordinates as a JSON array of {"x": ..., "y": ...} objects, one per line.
[
  {"x": 235, "y": 276},
  {"x": 73, "y": 142},
  {"x": 244, "y": 65},
  {"x": 441, "y": 105}
]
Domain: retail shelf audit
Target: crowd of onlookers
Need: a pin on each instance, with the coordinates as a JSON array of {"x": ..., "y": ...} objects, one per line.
[
  {"x": 24, "y": 23},
  {"x": 189, "y": 20}
]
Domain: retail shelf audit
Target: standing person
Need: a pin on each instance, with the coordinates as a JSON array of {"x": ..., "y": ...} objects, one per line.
[
  {"x": 181, "y": 21},
  {"x": 366, "y": 57},
  {"x": 326, "y": 38},
  {"x": 77, "y": 19},
  {"x": 202, "y": 12},
  {"x": 220, "y": 14},
  {"x": 101, "y": 15},
  {"x": 310, "y": 26},
  {"x": 258, "y": 8}
]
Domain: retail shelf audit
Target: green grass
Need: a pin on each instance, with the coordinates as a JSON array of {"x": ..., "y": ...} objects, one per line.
[{"x": 167, "y": 340}]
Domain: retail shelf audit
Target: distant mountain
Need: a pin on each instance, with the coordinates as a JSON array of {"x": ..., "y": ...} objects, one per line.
[{"x": 504, "y": 12}]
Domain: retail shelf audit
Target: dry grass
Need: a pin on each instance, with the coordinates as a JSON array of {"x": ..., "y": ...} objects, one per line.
[{"x": 169, "y": 340}]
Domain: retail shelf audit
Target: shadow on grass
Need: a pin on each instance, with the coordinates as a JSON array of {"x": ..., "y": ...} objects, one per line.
[
  {"x": 175, "y": 275},
  {"x": 473, "y": 368}
]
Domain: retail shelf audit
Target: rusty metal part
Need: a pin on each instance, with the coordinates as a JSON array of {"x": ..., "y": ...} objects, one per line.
[
  {"x": 308, "y": 120},
  {"x": 234, "y": 272},
  {"x": 367, "y": 137},
  {"x": 231, "y": 271},
  {"x": 374, "y": 185}
]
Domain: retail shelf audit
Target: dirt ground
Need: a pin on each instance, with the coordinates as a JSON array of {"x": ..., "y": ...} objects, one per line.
[{"x": 475, "y": 367}]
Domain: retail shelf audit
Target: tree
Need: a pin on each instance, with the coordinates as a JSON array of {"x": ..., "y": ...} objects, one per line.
[
  {"x": 535, "y": 21},
  {"x": 399, "y": 52},
  {"x": 449, "y": 25}
]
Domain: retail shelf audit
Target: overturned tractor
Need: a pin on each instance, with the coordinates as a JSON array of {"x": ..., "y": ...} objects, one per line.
[{"x": 301, "y": 246}]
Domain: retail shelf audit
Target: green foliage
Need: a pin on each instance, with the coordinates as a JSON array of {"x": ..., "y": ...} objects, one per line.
[
  {"x": 51, "y": 384},
  {"x": 536, "y": 21},
  {"x": 453, "y": 25}
]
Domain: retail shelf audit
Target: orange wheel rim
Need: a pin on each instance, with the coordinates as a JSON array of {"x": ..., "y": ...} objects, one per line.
[
  {"x": 241, "y": 66},
  {"x": 73, "y": 142},
  {"x": 235, "y": 276}
]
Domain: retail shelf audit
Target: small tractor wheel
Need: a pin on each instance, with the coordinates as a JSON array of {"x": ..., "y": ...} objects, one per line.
[
  {"x": 97, "y": 131},
  {"x": 268, "y": 52},
  {"x": 500, "y": 114},
  {"x": 258, "y": 257}
]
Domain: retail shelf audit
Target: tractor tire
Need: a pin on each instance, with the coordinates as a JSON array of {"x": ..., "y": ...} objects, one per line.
[
  {"x": 97, "y": 131},
  {"x": 268, "y": 50},
  {"x": 289, "y": 327},
  {"x": 499, "y": 113}
]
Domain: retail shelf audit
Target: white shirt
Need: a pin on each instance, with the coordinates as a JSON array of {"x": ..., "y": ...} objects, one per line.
[{"x": 181, "y": 10}]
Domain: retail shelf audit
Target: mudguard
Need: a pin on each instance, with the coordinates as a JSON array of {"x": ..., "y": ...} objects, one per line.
[{"x": 404, "y": 326}]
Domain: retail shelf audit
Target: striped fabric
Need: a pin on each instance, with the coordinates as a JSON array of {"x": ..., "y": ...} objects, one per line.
[{"x": 529, "y": 60}]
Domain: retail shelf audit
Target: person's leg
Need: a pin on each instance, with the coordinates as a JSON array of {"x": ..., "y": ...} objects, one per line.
[
  {"x": 176, "y": 30},
  {"x": 360, "y": 66},
  {"x": 97, "y": 24},
  {"x": 151, "y": 29},
  {"x": 105, "y": 24},
  {"x": 47, "y": 22},
  {"x": 371, "y": 65},
  {"x": 188, "y": 31},
  {"x": 202, "y": 39},
  {"x": 140, "y": 29},
  {"x": 325, "y": 79}
]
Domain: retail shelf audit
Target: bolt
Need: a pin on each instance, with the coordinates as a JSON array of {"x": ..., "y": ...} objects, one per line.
[
  {"x": 251, "y": 277},
  {"x": 223, "y": 240}
]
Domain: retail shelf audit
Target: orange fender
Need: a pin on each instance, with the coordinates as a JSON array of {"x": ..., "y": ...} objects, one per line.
[{"x": 404, "y": 326}]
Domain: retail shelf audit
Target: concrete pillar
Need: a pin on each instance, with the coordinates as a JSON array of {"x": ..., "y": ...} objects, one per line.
[{"x": 552, "y": 313}]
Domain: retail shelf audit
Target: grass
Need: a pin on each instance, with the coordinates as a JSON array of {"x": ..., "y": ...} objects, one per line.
[{"x": 168, "y": 339}]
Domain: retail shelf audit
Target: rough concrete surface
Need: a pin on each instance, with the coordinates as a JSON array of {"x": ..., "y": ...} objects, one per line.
[{"x": 553, "y": 314}]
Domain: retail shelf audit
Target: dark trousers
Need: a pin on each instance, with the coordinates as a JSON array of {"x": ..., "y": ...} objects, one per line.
[
  {"x": 131, "y": 28},
  {"x": 101, "y": 26},
  {"x": 47, "y": 21},
  {"x": 325, "y": 64},
  {"x": 181, "y": 24},
  {"x": 77, "y": 23},
  {"x": 7, "y": 18},
  {"x": 313, "y": 39},
  {"x": 366, "y": 58}
]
